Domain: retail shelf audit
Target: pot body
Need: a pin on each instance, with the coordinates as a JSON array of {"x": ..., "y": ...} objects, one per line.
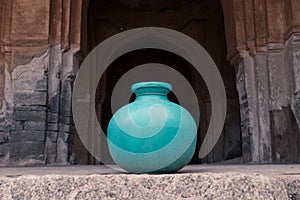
[{"x": 152, "y": 134}]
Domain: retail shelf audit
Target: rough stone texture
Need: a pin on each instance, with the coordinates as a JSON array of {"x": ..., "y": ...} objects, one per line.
[
  {"x": 232, "y": 140},
  {"x": 264, "y": 47},
  {"x": 214, "y": 182},
  {"x": 28, "y": 28},
  {"x": 31, "y": 77},
  {"x": 38, "y": 41},
  {"x": 25, "y": 111},
  {"x": 248, "y": 106},
  {"x": 35, "y": 98},
  {"x": 3, "y": 137},
  {"x": 21, "y": 115},
  {"x": 52, "y": 118},
  {"x": 297, "y": 108},
  {"x": 26, "y": 148},
  {"x": 52, "y": 135},
  {"x": 264, "y": 94},
  {"x": 33, "y": 70},
  {"x": 34, "y": 126},
  {"x": 30, "y": 108},
  {"x": 20, "y": 136},
  {"x": 27, "y": 135},
  {"x": 60, "y": 126},
  {"x": 4, "y": 149},
  {"x": 30, "y": 111},
  {"x": 263, "y": 98},
  {"x": 293, "y": 61},
  {"x": 209, "y": 186},
  {"x": 293, "y": 188},
  {"x": 286, "y": 136},
  {"x": 278, "y": 77}
]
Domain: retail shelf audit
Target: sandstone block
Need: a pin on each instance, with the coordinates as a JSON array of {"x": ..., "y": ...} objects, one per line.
[
  {"x": 3, "y": 137},
  {"x": 29, "y": 115},
  {"x": 26, "y": 148},
  {"x": 34, "y": 126},
  {"x": 20, "y": 136},
  {"x": 32, "y": 98}
]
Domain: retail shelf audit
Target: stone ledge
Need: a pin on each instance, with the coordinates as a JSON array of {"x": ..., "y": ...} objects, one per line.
[{"x": 193, "y": 182}]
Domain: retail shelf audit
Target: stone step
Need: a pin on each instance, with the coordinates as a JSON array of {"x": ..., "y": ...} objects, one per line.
[{"x": 192, "y": 182}]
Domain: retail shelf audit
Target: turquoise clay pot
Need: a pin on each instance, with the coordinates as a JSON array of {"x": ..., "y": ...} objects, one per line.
[{"x": 152, "y": 134}]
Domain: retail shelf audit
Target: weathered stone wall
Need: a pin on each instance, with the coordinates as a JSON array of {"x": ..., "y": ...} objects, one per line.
[
  {"x": 37, "y": 70},
  {"x": 24, "y": 64},
  {"x": 60, "y": 125},
  {"x": 39, "y": 39},
  {"x": 263, "y": 44}
]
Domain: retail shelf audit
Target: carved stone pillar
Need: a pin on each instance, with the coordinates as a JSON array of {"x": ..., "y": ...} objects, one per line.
[
  {"x": 65, "y": 25},
  {"x": 264, "y": 56}
]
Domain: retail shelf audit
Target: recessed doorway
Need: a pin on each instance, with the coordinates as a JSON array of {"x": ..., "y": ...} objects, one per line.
[{"x": 203, "y": 21}]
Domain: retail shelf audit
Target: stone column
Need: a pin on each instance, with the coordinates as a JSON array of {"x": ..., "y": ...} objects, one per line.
[
  {"x": 65, "y": 31},
  {"x": 265, "y": 63}
]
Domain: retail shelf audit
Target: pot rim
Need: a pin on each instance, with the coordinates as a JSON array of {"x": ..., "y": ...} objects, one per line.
[{"x": 151, "y": 84}]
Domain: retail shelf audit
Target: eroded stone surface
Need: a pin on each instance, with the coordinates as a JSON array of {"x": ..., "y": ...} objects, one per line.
[
  {"x": 174, "y": 186},
  {"x": 37, "y": 66},
  {"x": 191, "y": 182}
]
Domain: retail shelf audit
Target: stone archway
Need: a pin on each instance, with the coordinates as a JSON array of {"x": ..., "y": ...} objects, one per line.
[
  {"x": 262, "y": 44},
  {"x": 194, "y": 26}
]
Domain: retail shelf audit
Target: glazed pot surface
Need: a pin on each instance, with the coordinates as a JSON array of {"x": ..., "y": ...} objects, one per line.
[{"x": 152, "y": 134}]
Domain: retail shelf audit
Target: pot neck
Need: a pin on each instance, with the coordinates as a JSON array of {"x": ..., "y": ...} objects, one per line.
[
  {"x": 151, "y": 96},
  {"x": 151, "y": 90}
]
